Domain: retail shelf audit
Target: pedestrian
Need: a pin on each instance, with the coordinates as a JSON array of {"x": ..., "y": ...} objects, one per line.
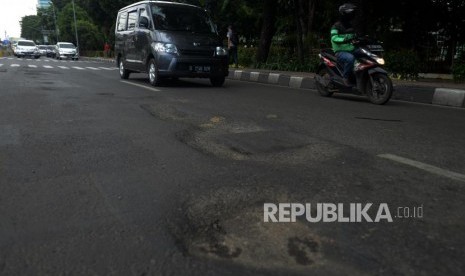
[
  {"x": 233, "y": 43},
  {"x": 106, "y": 50}
]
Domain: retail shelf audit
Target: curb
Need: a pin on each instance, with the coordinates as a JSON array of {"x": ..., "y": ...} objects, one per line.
[{"x": 402, "y": 92}]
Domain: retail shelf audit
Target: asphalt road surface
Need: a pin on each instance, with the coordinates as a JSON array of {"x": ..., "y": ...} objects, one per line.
[{"x": 100, "y": 176}]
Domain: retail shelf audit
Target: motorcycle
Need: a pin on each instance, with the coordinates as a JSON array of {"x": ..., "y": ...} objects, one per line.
[{"x": 368, "y": 77}]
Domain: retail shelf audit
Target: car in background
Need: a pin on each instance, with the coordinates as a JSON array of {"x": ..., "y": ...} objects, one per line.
[
  {"x": 50, "y": 52},
  {"x": 27, "y": 48},
  {"x": 66, "y": 50},
  {"x": 42, "y": 49}
]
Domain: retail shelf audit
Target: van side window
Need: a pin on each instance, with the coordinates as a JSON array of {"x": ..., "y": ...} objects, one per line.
[
  {"x": 122, "y": 22},
  {"x": 132, "y": 20},
  {"x": 143, "y": 13}
]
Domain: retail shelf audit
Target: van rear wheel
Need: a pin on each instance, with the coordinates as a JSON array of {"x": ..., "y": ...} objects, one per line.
[
  {"x": 123, "y": 72},
  {"x": 154, "y": 78}
]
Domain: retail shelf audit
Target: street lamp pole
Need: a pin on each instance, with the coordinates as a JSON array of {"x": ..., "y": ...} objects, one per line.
[{"x": 75, "y": 27}]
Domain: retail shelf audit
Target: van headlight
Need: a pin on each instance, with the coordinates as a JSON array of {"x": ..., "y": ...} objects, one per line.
[
  {"x": 166, "y": 48},
  {"x": 221, "y": 51}
]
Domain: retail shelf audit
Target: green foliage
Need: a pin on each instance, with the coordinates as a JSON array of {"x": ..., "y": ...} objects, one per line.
[
  {"x": 247, "y": 56},
  {"x": 281, "y": 58},
  {"x": 90, "y": 38},
  {"x": 458, "y": 71},
  {"x": 31, "y": 27},
  {"x": 403, "y": 64}
]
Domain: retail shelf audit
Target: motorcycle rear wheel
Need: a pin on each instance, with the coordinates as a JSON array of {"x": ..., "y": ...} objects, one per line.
[
  {"x": 380, "y": 92},
  {"x": 322, "y": 89}
]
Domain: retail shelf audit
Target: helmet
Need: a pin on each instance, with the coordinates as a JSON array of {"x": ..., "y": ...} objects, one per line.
[{"x": 347, "y": 9}]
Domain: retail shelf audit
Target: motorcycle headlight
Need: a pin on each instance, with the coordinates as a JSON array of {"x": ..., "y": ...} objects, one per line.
[
  {"x": 380, "y": 61},
  {"x": 166, "y": 48},
  {"x": 220, "y": 51}
]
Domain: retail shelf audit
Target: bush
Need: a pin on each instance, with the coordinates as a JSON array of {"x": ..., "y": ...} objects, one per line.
[
  {"x": 403, "y": 64},
  {"x": 458, "y": 71},
  {"x": 247, "y": 56},
  {"x": 279, "y": 58}
]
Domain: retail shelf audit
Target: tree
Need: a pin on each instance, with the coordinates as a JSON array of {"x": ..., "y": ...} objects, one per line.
[
  {"x": 91, "y": 37},
  {"x": 47, "y": 22},
  {"x": 268, "y": 29},
  {"x": 31, "y": 27}
]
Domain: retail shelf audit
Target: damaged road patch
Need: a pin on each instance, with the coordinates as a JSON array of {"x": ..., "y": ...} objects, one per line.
[
  {"x": 227, "y": 225},
  {"x": 229, "y": 138}
]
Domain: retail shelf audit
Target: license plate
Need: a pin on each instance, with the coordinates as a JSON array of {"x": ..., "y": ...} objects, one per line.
[{"x": 200, "y": 69}]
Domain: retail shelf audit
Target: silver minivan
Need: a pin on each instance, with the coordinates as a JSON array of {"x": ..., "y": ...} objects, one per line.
[{"x": 168, "y": 39}]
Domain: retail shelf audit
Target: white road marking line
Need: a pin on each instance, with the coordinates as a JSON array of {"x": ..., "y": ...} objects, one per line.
[
  {"x": 105, "y": 68},
  {"x": 425, "y": 167},
  {"x": 93, "y": 68},
  {"x": 141, "y": 86},
  {"x": 14, "y": 65},
  {"x": 32, "y": 66},
  {"x": 1, "y": 65},
  {"x": 63, "y": 67},
  {"x": 78, "y": 68},
  {"x": 48, "y": 66},
  {"x": 10, "y": 58},
  {"x": 47, "y": 60}
]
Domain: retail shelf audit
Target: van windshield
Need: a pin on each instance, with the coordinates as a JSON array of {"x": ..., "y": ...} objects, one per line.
[{"x": 181, "y": 18}]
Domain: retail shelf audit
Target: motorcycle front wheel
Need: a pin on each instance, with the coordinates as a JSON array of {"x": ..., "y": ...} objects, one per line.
[
  {"x": 322, "y": 82},
  {"x": 380, "y": 90}
]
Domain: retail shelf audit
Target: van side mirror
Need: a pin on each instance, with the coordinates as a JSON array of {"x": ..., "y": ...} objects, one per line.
[{"x": 144, "y": 22}]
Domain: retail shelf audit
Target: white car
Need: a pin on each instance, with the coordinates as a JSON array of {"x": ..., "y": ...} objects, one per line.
[
  {"x": 27, "y": 48},
  {"x": 66, "y": 50}
]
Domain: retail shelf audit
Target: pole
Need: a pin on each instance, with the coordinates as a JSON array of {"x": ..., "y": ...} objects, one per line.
[
  {"x": 56, "y": 26},
  {"x": 75, "y": 27}
]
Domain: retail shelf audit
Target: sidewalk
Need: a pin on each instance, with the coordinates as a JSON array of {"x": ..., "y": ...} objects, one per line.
[{"x": 427, "y": 91}]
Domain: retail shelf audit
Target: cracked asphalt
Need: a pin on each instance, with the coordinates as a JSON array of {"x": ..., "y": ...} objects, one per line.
[{"x": 104, "y": 177}]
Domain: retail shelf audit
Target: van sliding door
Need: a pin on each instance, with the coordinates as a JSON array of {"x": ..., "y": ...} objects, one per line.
[
  {"x": 142, "y": 40},
  {"x": 130, "y": 40}
]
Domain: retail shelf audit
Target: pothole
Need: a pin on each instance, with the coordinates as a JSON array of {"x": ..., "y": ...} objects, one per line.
[
  {"x": 263, "y": 146},
  {"x": 248, "y": 240},
  {"x": 227, "y": 225},
  {"x": 225, "y": 138}
]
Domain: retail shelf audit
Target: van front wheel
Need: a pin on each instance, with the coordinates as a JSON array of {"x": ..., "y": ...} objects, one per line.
[
  {"x": 123, "y": 72},
  {"x": 154, "y": 78}
]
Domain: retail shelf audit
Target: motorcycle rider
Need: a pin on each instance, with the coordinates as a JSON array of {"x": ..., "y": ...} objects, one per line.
[{"x": 342, "y": 34}]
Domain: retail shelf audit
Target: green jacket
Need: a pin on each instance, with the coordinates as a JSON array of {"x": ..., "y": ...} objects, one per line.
[{"x": 340, "y": 38}]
